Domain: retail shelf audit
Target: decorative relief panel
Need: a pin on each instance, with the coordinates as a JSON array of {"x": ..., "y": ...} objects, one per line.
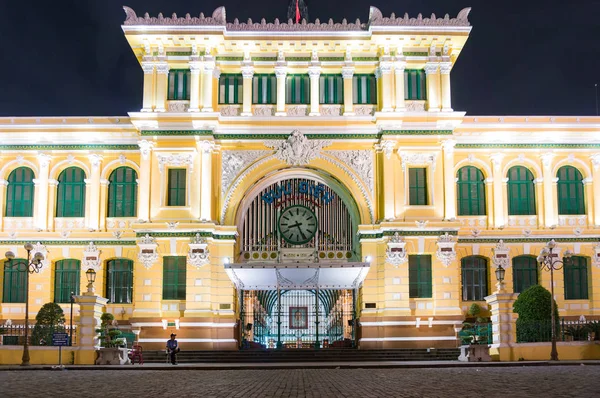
[
  {"x": 297, "y": 150},
  {"x": 91, "y": 258},
  {"x": 501, "y": 257},
  {"x": 418, "y": 158},
  {"x": 178, "y": 106},
  {"x": 522, "y": 221},
  {"x": 230, "y": 110},
  {"x": 361, "y": 162},
  {"x": 70, "y": 223},
  {"x": 415, "y": 106},
  {"x": 198, "y": 254},
  {"x": 395, "y": 252},
  {"x": 571, "y": 220},
  {"x": 233, "y": 162},
  {"x": 297, "y": 110},
  {"x": 263, "y": 110},
  {"x": 364, "y": 110},
  {"x": 330, "y": 110},
  {"x": 445, "y": 252},
  {"x": 148, "y": 253},
  {"x": 176, "y": 160}
]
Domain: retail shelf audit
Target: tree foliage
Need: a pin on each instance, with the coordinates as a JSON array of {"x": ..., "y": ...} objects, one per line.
[
  {"x": 534, "y": 309},
  {"x": 49, "y": 319}
]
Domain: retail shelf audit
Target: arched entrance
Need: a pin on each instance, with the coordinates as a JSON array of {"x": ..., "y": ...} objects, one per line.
[{"x": 297, "y": 271}]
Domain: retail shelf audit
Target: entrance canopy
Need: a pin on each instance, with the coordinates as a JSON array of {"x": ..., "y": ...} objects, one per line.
[{"x": 269, "y": 276}]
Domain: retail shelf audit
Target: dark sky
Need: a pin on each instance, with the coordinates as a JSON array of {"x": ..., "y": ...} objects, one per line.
[{"x": 524, "y": 57}]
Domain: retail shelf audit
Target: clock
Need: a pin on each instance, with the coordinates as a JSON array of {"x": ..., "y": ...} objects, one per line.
[{"x": 297, "y": 224}]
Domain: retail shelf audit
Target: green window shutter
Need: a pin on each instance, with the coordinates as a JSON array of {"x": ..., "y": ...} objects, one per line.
[
  {"x": 264, "y": 89},
  {"x": 364, "y": 89},
  {"x": 71, "y": 193},
  {"x": 525, "y": 273},
  {"x": 174, "y": 274},
  {"x": 417, "y": 186},
  {"x": 19, "y": 193},
  {"x": 570, "y": 191},
  {"x": 331, "y": 89},
  {"x": 176, "y": 195},
  {"x": 576, "y": 278},
  {"x": 230, "y": 88},
  {"x": 66, "y": 280},
  {"x": 297, "y": 89},
  {"x": 470, "y": 189},
  {"x": 15, "y": 282},
  {"x": 521, "y": 192},
  {"x": 474, "y": 272},
  {"x": 415, "y": 84},
  {"x": 419, "y": 276},
  {"x": 122, "y": 193},
  {"x": 119, "y": 281},
  {"x": 179, "y": 84}
]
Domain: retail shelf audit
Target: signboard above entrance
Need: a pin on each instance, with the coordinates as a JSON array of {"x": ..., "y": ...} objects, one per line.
[{"x": 304, "y": 188}]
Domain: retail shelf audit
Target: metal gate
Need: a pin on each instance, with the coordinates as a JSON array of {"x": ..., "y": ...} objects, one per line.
[{"x": 296, "y": 319}]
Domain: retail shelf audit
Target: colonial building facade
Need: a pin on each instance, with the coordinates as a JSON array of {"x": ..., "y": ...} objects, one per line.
[{"x": 298, "y": 184}]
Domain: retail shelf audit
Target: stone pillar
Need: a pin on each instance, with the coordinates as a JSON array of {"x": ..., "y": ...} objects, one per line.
[
  {"x": 3, "y": 185},
  {"x": 550, "y": 210},
  {"x": 247, "y": 75},
  {"x": 280, "y": 74},
  {"x": 385, "y": 71},
  {"x": 314, "y": 72},
  {"x": 93, "y": 193},
  {"x": 388, "y": 205},
  {"x": 348, "y": 76},
  {"x": 596, "y": 186},
  {"x": 52, "y": 188},
  {"x": 195, "y": 69},
  {"x": 148, "y": 98},
  {"x": 489, "y": 197},
  {"x": 90, "y": 311},
  {"x": 143, "y": 210},
  {"x": 399, "y": 67},
  {"x": 207, "y": 83},
  {"x": 449, "y": 180},
  {"x": 205, "y": 148},
  {"x": 41, "y": 192},
  {"x": 433, "y": 83},
  {"x": 445, "y": 68},
  {"x": 498, "y": 185},
  {"x": 103, "y": 203},
  {"x": 504, "y": 329},
  {"x": 162, "y": 83}
]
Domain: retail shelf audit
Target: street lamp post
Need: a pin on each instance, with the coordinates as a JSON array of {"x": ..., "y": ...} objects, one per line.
[
  {"x": 71, "y": 321},
  {"x": 549, "y": 261},
  {"x": 33, "y": 265}
]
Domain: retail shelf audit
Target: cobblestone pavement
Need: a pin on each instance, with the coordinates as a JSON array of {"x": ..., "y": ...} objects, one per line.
[{"x": 542, "y": 381}]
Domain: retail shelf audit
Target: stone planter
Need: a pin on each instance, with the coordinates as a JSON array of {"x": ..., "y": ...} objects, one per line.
[
  {"x": 112, "y": 356},
  {"x": 475, "y": 353}
]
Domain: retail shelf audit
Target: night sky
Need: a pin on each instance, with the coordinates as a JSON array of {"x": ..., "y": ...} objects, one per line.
[{"x": 70, "y": 57}]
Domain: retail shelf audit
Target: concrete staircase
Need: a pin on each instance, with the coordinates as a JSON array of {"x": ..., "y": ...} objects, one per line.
[{"x": 306, "y": 355}]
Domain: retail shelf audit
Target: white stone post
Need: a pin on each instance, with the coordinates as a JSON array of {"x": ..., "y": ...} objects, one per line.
[
  {"x": 91, "y": 308},
  {"x": 247, "y": 75},
  {"x": 449, "y": 180},
  {"x": 143, "y": 210},
  {"x": 207, "y": 83},
  {"x": 399, "y": 67},
  {"x": 503, "y": 324}
]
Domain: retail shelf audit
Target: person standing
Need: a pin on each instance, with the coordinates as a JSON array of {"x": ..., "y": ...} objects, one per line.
[{"x": 173, "y": 348}]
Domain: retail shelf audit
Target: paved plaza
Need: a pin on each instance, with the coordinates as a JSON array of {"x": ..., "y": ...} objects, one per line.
[{"x": 533, "y": 381}]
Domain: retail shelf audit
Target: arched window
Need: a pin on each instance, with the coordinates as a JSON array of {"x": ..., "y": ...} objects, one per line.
[
  {"x": 474, "y": 278},
  {"x": 15, "y": 283},
  {"x": 19, "y": 193},
  {"x": 576, "y": 278},
  {"x": 122, "y": 193},
  {"x": 71, "y": 193},
  {"x": 570, "y": 191},
  {"x": 521, "y": 193},
  {"x": 471, "y": 191},
  {"x": 119, "y": 280},
  {"x": 525, "y": 273},
  {"x": 66, "y": 280}
]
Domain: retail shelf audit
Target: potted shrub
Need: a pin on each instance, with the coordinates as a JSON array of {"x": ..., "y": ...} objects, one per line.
[
  {"x": 578, "y": 332},
  {"x": 474, "y": 337},
  {"x": 113, "y": 350}
]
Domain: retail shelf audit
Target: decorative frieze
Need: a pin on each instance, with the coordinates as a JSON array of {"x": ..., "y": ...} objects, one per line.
[
  {"x": 198, "y": 253},
  {"x": 178, "y": 106},
  {"x": 230, "y": 110},
  {"x": 148, "y": 251},
  {"x": 232, "y": 164},
  {"x": 176, "y": 160},
  {"x": 91, "y": 258},
  {"x": 418, "y": 159},
  {"x": 297, "y": 150}
]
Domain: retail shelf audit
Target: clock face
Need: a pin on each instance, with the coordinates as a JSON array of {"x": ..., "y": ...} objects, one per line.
[{"x": 297, "y": 224}]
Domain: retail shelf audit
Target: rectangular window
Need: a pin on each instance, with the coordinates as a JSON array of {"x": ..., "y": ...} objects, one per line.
[
  {"x": 419, "y": 276},
  {"x": 230, "y": 89},
  {"x": 417, "y": 186},
  {"x": 576, "y": 278},
  {"x": 179, "y": 84},
  {"x": 297, "y": 90},
  {"x": 119, "y": 281},
  {"x": 364, "y": 89},
  {"x": 176, "y": 187},
  {"x": 15, "y": 273},
  {"x": 174, "y": 272},
  {"x": 414, "y": 84},
  {"x": 264, "y": 89},
  {"x": 331, "y": 89},
  {"x": 66, "y": 280}
]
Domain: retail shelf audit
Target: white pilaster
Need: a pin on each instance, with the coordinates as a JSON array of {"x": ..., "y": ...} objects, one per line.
[
  {"x": 348, "y": 76},
  {"x": 314, "y": 72},
  {"x": 498, "y": 185},
  {"x": 41, "y": 192},
  {"x": 149, "y": 77},
  {"x": 550, "y": 210},
  {"x": 207, "y": 83},
  {"x": 399, "y": 67},
  {"x": 195, "y": 70},
  {"x": 449, "y": 180},
  {"x": 432, "y": 73},
  {"x": 143, "y": 211},
  {"x": 3, "y": 185},
  {"x": 280, "y": 74},
  {"x": 445, "y": 68},
  {"x": 162, "y": 82},
  {"x": 595, "y": 158},
  {"x": 247, "y": 75},
  {"x": 385, "y": 73},
  {"x": 206, "y": 152}
]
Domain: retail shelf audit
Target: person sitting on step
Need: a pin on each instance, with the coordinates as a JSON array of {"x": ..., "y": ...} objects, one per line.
[{"x": 173, "y": 348}]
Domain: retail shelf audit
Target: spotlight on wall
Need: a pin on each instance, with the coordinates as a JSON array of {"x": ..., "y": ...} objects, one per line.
[
  {"x": 368, "y": 259},
  {"x": 226, "y": 260}
]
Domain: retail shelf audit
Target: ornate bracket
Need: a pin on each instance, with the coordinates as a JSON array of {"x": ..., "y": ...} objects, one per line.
[
  {"x": 148, "y": 253},
  {"x": 39, "y": 248},
  {"x": 91, "y": 257},
  {"x": 198, "y": 254},
  {"x": 395, "y": 253},
  {"x": 445, "y": 252},
  {"x": 500, "y": 257}
]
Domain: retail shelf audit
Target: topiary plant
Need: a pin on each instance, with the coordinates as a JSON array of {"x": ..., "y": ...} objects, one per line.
[
  {"x": 474, "y": 310},
  {"x": 109, "y": 335},
  {"x": 534, "y": 309},
  {"x": 48, "y": 320},
  {"x": 593, "y": 326}
]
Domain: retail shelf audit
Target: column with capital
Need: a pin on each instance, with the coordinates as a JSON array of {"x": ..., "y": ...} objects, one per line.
[
  {"x": 162, "y": 82},
  {"x": 348, "y": 76},
  {"x": 41, "y": 192},
  {"x": 498, "y": 185},
  {"x": 143, "y": 210},
  {"x": 550, "y": 210},
  {"x": 399, "y": 67},
  {"x": 449, "y": 180},
  {"x": 104, "y": 183},
  {"x": 280, "y": 74},
  {"x": 207, "y": 82},
  {"x": 595, "y": 158},
  {"x": 385, "y": 73},
  {"x": 247, "y": 75},
  {"x": 445, "y": 68},
  {"x": 433, "y": 86},
  {"x": 92, "y": 198},
  {"x": 52, "y": 188},
  {"x": 149, "y": 76},
  {"x": 3, "y": 185},
  {"x": 206, "y": 148},
  {"x": 195, "y": 70},
  {"x": 314, "y": 72}
]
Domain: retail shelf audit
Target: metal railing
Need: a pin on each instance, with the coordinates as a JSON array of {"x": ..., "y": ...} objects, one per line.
[
  {"x": 566, "y": 330},
  {"x": 38, "y": 335}
]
